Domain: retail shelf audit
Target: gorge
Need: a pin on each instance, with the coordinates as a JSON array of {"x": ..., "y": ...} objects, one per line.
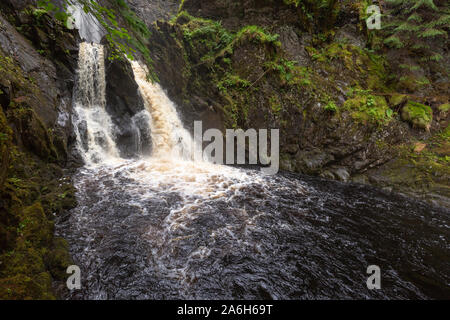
[{"x": 105, "y": 178}]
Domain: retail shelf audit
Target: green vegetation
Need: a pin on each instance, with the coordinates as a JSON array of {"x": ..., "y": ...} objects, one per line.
[
  {"x": 207, "y": 44},
  {"x": 331, "y": 107},
  {"x": 366, "y": 107},
  {"x": 414, "y": 26},
  {"x": 398, "y": 99},
  {"x": 122, "y": 42},
  {"x": 30, "y": 255},
  {"x": 424, "y": 171},
  {"x": 444, "y": 107},
  {"x": 316, "y": 12},
  {"x": 417, "y": 114},
  {"x": 115, "y": 34},
  {"x": 210, "y": 45},
  {"x": 138, "y": 35},
  {"x": 257, "y": 35}
]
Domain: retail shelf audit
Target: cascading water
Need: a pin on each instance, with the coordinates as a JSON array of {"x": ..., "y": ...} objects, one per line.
[
  {"x": 170, "y": 138},
  {"x": 93, "y": 125},
  {"x": 167, "y": 227}
]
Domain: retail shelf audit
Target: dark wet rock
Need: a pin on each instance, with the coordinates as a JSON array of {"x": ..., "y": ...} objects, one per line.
[
  {"x": 150, "y": 11},
  {"x": 54, "y": 77},
  {"x": 342, "y": 174},
  {"x": 294, "y": 44},
  {"x": 37, "y": 62},
  {"x": 312, "y": 160},
  {"x": 350, "y": 34},
  {"x": 123, "y": 103},
  {"x": 236, "y": 14}
]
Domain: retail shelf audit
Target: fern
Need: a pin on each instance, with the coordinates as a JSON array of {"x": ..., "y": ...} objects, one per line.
[
  {"x": 394, "y": 42},
  {"x": 417, "y": 25},
  {"x": 432, "y": 33}
]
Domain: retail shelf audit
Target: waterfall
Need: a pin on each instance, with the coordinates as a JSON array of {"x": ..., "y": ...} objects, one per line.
[
  {"x": 169, "y": 137},
  {"x": 166, "y": 227},
  {"x": 93, "y": 125}
]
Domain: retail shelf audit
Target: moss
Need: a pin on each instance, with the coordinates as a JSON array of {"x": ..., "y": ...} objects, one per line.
[
  {"x": 321, "y": 14},
  {"x": 24, "y": 275},
  {"x": 257, "y": 34},
  {"x": 419, "y": 115},
  {"x": 12, "y": 72},
  {"x": 28, "y": 125},
  {"x": 342, "y": 52},
  {"x": 285, "y": 68},
  {"x": 275, "y": 105},
  {"x": 445, "y": 135},
  {"x": 411, "y": 83},
  {"x": 232, "y": 81},
  {"x": 331, "y": 107},
  {"x": 367, "y": 69},
  {"x": 208, "y": 49},
  {"x": 5, "y": 147},
  {"x": 58, "y": 259},
  {"x": 397, "y": 99},
  {"x": 22, "y": 287},
  {"x": 58, "y": 197},
  {"x": 422, "y": 172},
  {"x": 30, "y": 192},
  {"x": 32, "y": 254},
  {"x": 34, "y": 226},
  {"x": 369, "y": 108},
  {"x": 444, "y": 107}
]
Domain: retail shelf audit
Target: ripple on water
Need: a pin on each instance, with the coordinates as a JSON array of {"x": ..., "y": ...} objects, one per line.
[{"x": 170, "y": 229}]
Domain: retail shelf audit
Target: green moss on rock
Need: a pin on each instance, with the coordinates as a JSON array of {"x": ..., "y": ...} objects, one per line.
[
  {"x": 397, "y": 99},
  {"x": 32, "y": 191},
  {"x": 369, "y": 108},
  {"x": 444, "y": 107},
  {"x": 417, "y": 114}
]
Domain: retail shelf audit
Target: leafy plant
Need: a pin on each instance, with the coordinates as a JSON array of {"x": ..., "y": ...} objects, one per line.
[
  {"x": 122, "y": 42},
  {"x": 321, "y": 13},
  {"x": 3, "y": 136},
  {"x": 331, "y": 107},
  {"x": 416, "y": 25}
]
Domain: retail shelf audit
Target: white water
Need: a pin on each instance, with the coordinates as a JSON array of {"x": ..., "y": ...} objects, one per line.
[
  {"x": 170, "y": 139},
  {"x": 168, "y": 227},
  {"x": 93, "y": 125},
  {"x": 170, "y": 168}
]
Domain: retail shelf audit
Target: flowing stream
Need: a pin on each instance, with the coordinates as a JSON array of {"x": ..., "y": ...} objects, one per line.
[{"x": 166, "y": 227}]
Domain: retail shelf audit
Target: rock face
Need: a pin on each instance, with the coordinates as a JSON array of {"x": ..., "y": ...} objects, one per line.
[
  {"x": 123, "y": 104},
  {"x": 309, "y": 71},
  {"x": 324, "y": 92},
  {"x": 151, "y": 11},
  {"x": 52, "y": 79},
  {"x": 38, "y": 62},
  {"x": 38, "y": 57},
  {"x": 237, "y": 14},
  {"x": 419, "y": 115},
  {"x": 279, "y": 96}
]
